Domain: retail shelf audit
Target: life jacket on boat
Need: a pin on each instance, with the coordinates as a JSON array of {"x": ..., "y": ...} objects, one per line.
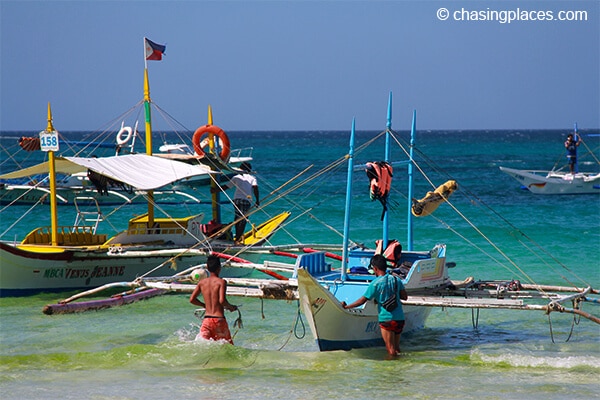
[
  {"x": 380, "y": 175},
  {"x": 214, "y": 230},
  {"x": 392, "y": 252},
  {"x": 211, "y": 228}
]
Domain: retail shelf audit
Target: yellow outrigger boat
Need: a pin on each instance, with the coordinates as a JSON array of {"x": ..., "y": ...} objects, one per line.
[{"x": 58, "y": 258}]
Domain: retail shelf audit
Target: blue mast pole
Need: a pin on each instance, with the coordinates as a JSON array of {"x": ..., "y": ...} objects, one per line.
[
  {"x": 409, "y": 221},
  {"x": 576, "y": 138},
  {"x": 385, "y": 235},
  {"x": 348, "y": 203}
]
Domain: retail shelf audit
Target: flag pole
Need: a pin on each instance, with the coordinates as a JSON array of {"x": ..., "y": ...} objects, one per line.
[
  {"x": 145, "y": 59},
  {"x": 147, "y": 110}
]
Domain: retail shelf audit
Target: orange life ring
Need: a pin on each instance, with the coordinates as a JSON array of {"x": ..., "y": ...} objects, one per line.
[{"x": 218, "y": 132}]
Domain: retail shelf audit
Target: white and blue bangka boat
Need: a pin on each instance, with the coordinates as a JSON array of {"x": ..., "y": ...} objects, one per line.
[
  {"x": 322, "y": 290},
  {"x": 424, "y": 274}
]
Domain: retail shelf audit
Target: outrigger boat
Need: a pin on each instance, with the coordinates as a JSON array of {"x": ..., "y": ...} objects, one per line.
[
  {"x": 59, "y": 258},
  {"x": 70, "y": 257},
  {"x": 321, "y": 288},
  {"x": 424, "y": 274},
  {"x": 559, "y": 181}
]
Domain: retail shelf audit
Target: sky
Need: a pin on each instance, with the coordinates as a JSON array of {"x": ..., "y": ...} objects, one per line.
[{"x": 303, "y": 65}]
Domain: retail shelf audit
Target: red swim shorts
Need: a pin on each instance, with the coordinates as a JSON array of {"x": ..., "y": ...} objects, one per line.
[
  {"x": 215, "y": 328},
  {"x": 394, "y": 326}
]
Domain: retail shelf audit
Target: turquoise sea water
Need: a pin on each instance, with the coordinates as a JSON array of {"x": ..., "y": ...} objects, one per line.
[{"x": 147, "y": 350}]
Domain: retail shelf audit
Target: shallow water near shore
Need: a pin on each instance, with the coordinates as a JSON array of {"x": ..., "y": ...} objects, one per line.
[{"x": 148, "y": 349}]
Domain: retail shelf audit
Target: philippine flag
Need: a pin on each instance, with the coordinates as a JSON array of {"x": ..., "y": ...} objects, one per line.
[{"x": 154, "y": 51}]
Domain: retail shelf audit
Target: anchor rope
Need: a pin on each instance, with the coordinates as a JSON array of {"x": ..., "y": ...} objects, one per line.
[
  {"x": 294, "y": 329},
  {"x": 238, "y": 324}
]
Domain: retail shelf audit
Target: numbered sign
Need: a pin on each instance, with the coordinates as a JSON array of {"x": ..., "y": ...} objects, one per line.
[{"x": 49, "y": 141}]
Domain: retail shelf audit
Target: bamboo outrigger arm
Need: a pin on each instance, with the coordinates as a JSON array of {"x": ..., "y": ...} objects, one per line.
[
  {"x": 577, "y": 299},
  {"x": 560, "y": 308},
  {"x": 505, "y": 303}
]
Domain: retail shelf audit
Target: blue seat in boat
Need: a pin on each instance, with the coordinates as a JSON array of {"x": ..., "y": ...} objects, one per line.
[{"x": 313, "y": 263}]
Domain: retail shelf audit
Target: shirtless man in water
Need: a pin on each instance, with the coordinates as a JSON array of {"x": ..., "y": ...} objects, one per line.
[{"x": 213, "y": 289}]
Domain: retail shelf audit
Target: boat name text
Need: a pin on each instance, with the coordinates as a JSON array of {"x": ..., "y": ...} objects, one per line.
[
  {"x": 80, "y": 273},
  {"x": 372, "y": 326}
]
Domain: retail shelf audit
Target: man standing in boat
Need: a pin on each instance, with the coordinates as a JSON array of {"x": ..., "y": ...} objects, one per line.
[
  {"x": 213, "y": 290},
  {"x": 383, "y": 288},
  {"x": 245, "y": 185},
  {"x": 571, "y": 145}
]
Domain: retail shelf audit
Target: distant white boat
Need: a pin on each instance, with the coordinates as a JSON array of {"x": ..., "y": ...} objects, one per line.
[
  {"x": 553, "y": 182},
  {"x": 557, "y": 181},
  {"x": 184, "y": 153}
]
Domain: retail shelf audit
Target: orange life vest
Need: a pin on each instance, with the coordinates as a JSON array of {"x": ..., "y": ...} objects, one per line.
[
  {"x": 392, "y": 252},
  {"x": 380, "y": 175}
]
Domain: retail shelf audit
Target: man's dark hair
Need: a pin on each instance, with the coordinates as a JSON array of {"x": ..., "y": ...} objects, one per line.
[
  {"x": 246, "y": 166},
  {"x": 213, "y": 263},
  {"x": 379, "y": 262}
]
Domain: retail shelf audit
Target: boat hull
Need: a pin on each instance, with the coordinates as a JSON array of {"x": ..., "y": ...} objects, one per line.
[
  {"x": 336, "y": 328},
  {"x": 542, "y": 182},
  {"x": 28, "y": 270}
]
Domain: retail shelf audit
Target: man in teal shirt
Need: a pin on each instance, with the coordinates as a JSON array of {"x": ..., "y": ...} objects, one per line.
[{"x": 391, "y": 321}]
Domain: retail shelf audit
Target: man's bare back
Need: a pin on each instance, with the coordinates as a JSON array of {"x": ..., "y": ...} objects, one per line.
[{"x": 213, "y": 291}]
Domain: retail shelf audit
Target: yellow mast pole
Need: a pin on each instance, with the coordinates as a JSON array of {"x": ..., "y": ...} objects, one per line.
[
  {"x": 147, "y": 102},
  {"x": 52, "y": 177},
  {"x": 216, "y": 209},
  {"x": 210, "y": 118}
]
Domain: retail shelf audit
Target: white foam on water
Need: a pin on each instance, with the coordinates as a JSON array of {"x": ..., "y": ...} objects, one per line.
[{"x": 545, "y": 359}]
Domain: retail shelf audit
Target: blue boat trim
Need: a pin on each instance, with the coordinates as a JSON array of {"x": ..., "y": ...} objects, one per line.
[{"x": 331, "y": 345}]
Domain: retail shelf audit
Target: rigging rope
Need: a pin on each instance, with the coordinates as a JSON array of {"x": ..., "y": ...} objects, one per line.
[
  {"x": 33, "y": 187},
  {"x": 42, "y": 198},
  {"x": 478, "y": 200}
]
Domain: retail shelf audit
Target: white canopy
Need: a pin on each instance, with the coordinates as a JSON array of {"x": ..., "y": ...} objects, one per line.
[{"x": 140, "y": 171}]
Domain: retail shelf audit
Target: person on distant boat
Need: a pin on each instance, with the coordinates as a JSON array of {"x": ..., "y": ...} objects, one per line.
[
  {"x": 245, "y": 185},
  {"x": 213, "y": 290},
  {"x": 391, "y": 320},
  {"x": 571, "y": 145}
]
